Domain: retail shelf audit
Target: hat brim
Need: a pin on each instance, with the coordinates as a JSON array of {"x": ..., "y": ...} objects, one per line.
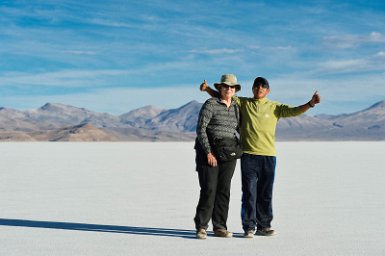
[{"x": 237, "y": 86}]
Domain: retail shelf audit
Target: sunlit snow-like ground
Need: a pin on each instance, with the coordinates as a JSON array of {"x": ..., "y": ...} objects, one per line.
[{"x": 137, "y": 198}]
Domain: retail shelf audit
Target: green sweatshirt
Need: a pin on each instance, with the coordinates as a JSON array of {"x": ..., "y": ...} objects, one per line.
[{"x": 259, "y": 118}]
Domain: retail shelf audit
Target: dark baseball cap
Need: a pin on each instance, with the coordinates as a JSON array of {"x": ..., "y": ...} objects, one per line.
[{"x": 261, "y": 81}]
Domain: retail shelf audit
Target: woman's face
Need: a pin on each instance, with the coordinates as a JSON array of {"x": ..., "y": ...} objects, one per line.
[{"x": 227, "y": 91}]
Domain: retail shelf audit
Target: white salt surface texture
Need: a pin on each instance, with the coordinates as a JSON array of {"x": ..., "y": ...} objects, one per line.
[{"x": 139, "y": 199}]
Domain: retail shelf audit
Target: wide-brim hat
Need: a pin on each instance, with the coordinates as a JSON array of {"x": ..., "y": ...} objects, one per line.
[{"x": 229, "y": 80}]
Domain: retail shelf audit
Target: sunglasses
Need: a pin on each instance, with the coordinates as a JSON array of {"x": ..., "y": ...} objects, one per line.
[
  {"x": 266, "y": 86},
  {"x": 225, "y": 86}
]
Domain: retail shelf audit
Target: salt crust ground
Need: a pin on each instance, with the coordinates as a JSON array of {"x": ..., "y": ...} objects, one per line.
[{"x": 139, "y": 199}]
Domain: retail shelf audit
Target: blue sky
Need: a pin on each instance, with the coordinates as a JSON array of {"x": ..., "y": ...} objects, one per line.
[{"x": 114, "y": 56}]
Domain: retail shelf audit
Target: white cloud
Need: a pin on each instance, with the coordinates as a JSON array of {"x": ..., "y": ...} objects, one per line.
[
  {"x": 110, "y": 23},
  {"x": 80, "y": 52},
  {"x": 380, "y": 54},
  {"x": 342, "y": 65},
  {"x": 376, "y": 37},
  {"x": 283, "y": 48},
  {"x": 351, "y": 41},
  {"x": 254, "y": 47},
  {"x": 365, "y": 64},
  {"x": 216, "y": 51}
]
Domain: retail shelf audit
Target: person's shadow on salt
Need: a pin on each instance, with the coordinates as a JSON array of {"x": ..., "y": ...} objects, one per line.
[{"x": 145, "y": 231}]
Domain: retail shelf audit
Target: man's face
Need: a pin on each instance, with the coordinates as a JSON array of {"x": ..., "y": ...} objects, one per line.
[{"x": 260, "y": 92}]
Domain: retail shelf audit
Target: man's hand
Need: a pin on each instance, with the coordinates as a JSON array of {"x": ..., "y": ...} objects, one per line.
[
  {"x": 315, "y": 99},
  {"x": 203, "y": 87},
  {"x": 212, "y": 161}
]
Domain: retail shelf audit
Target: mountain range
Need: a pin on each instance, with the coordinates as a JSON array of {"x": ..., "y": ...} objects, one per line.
[{"x": 59, "y": 122}]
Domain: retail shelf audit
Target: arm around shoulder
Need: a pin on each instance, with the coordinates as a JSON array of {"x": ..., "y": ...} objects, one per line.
[{"x": 204, "y": 87}]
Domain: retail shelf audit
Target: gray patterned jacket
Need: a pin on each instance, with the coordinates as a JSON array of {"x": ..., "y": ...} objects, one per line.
[{"x": 216, "y": 121}]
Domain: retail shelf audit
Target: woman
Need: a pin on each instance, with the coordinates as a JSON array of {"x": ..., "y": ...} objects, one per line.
[{"x": 218, "y": 119}]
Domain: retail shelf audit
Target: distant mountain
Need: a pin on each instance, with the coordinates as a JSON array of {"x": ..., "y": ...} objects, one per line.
[
  {"x": 81, "y": 132},
  {"x": 141, "y": 116},
  {"x": 53, "y": 116},
  {"x": 59, "y": 115},
  {"x": 183, "y": 119},
  {"x": 59, "y": 122}
]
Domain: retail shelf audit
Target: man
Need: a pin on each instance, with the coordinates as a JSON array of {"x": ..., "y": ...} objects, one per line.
[{"x": 259, "y": 118}]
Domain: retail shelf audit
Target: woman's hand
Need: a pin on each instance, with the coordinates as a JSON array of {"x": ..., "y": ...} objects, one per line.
[{"x": 212, "y": 161}]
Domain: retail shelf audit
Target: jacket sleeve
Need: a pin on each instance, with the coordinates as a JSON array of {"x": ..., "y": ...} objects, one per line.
[
  {"x": 205, "y": 116},
  {"x": 237, "y": 100},
  {"x": 284, "y": 110}
]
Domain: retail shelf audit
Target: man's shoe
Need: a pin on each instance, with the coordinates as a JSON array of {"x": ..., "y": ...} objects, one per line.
[
  {"x": 249, "y": 234},
  {"x": 223, "y": 233},
  {"x": 201, "y": 234},
  {"x": 265, "y": 232}
]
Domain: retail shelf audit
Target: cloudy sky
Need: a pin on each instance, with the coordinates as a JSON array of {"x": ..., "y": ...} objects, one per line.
[{"x": 117, "y": 55}]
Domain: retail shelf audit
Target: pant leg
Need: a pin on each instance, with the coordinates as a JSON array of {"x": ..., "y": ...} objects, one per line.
[
  {"x": 208, "y": 179},
  {"x": 264, "y": 209},
  {"x": 222, "y": 197},
  {"x": 249, "y": 191}
]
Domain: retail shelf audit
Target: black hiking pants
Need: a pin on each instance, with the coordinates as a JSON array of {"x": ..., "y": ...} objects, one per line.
[{"x": 214, "y": 199}]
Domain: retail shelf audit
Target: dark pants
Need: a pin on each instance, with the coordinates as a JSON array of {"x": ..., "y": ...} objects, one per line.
[
  {"x": 257, "y": 187},
  {"x": 215, "y": 183}
]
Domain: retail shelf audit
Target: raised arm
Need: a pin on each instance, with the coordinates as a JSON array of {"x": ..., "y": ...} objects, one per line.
[
  {"x": 315, "y": 99},
  {"x": 204, "y": 87}
]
